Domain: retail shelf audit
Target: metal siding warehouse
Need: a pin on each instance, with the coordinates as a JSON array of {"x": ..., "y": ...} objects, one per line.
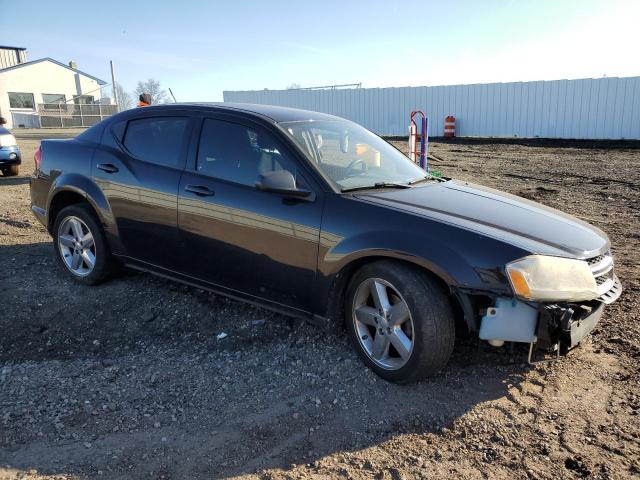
[{"x": 604, "y": 108}]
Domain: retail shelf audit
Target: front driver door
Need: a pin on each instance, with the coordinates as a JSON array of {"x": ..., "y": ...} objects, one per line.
[{"x": 259, "y": 243}]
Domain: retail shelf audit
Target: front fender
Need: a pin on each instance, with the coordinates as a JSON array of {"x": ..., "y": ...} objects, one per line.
[
  {"x": 469, "y": 261},
  {"x": 353, "y": 231},
  {"x": 447, "y": 264}
]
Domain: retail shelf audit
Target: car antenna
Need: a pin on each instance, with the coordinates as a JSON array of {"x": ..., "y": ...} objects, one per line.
[{"x": 173, "y": 96}]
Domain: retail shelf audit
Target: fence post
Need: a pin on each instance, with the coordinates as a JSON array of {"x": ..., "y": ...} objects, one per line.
[
  {"x": 81, "y": 117},
  {"x": 60, "y": 115}
]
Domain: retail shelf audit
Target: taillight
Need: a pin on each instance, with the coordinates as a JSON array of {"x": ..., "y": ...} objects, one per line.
[{"x": 38, "y": 157}]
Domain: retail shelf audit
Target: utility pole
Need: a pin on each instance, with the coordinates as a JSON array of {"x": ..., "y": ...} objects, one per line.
[{"x": 113, "y": 85}]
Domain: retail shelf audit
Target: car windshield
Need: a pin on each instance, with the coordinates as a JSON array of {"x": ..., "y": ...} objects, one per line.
[{"x": 351, "y": 156}]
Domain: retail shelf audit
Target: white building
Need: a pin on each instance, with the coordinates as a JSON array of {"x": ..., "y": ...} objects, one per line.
[{"x": 29, "y": 90}]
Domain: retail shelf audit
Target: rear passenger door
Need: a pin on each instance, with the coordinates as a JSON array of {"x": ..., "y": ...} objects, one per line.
[
  {"x": 138, "y": 169},
  {"x": 236, "y": 236}
]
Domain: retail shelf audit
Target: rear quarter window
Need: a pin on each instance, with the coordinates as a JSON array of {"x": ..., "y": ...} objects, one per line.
[
  {"x": 118, "y": 129},
  {"x": 157, "y": 140}
]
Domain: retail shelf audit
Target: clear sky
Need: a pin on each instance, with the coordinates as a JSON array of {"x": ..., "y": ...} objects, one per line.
[{"x": 200, "y": 48}]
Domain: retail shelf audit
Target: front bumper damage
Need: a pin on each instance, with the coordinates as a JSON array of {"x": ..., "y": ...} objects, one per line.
[
  {"x": 561, "y": 328},
  {"x": 555, "y": 327},
  {"x": 566, "y": 325}
]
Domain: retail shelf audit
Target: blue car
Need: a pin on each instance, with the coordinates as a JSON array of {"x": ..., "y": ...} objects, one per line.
[{"x": 10, "y": 158}]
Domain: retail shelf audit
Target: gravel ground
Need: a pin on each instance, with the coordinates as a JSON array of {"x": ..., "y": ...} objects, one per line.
[{"x": 129, "y": 379}]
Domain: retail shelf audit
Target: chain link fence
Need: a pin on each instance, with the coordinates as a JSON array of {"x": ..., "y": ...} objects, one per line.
[{"x": 66, "y": 115}]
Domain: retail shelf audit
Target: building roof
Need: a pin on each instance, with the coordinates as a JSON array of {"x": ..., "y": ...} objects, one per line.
[
  {"x": 49, "y": 59},
  {"x": 12, "y": 48}
]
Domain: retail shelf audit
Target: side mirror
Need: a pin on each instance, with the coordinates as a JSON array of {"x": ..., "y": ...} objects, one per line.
[
  {"x": 344, "y": 142},
  {"x": 281, "y": 181}
]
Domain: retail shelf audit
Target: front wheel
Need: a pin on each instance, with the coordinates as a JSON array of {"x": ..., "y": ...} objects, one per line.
[
  {"x": 11, "y": 170},
  {"x": 400, "y": 320},
  {"x": 80, "y": 245}
]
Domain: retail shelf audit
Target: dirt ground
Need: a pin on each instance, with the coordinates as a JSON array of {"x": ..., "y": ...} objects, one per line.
[{"x": 128, "y": 380}]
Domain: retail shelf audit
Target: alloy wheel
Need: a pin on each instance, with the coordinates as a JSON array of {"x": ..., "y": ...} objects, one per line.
[
  {"x": 383, "y": 323},
  {"x": 77, "y": 246}
]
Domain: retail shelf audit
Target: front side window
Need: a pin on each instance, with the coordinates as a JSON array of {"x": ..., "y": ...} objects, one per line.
[
  {"x": 234, "y": 152},
  {"x": 21, "y": 100},
  {"x": 350, "y": 155},
  {"x": 156, "y": 139}
]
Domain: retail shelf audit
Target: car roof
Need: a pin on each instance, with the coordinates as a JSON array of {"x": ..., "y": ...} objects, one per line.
[{"x": 271, "y": 112}]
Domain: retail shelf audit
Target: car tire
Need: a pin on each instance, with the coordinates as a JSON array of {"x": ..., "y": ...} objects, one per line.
[
  {"x": 68, "y": 249},
  {"x": 422, "y": 329},
  {"x": 11, "y": 170}
]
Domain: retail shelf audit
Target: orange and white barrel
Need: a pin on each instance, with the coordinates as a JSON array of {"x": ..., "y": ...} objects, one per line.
[{"x": 450, "y": 126}]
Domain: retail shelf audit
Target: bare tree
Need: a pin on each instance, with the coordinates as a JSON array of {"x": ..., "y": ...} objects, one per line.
[
  {"x": 294, "y": 86},
  {"x": 125, "y": 101},
  {"x": 152, "y": 87}
]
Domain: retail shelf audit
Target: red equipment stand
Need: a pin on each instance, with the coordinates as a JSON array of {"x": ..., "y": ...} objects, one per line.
[{"x": 419, "y": 140}]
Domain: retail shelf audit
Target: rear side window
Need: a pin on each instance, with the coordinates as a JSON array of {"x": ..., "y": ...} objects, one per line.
[{"x": 156, "y": 139}]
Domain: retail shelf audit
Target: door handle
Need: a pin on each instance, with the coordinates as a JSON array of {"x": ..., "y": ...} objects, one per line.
[
  {"x": 107, "y": 167},
  {"x": 200, "y": 190}
]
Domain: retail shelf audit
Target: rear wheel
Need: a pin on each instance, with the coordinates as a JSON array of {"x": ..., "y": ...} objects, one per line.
[
  {"x": 400, "y": 320},
  {"x": 80, "y": 245}
]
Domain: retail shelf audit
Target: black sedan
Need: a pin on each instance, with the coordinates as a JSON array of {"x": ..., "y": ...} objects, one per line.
[{"x": 316, "y": 217}]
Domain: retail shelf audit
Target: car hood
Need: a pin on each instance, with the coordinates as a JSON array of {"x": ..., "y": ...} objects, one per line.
[{"x": 515, "y": 220}]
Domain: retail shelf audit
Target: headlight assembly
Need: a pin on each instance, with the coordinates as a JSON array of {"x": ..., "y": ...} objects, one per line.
[
  {"x": 539, "y": 277},
  {"x": 7, "y": 140}
]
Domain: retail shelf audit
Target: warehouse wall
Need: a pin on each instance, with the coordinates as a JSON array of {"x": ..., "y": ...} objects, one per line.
[{"x": 604, "y": 108}]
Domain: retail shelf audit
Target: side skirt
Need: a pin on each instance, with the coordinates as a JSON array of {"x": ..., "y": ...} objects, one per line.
[{"x": 217, "y": 289}]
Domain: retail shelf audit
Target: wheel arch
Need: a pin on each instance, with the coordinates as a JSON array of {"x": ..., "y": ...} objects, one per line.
[
  {"x": 62, "y": 199},
  {"x": 69, "y": 189},
  {"x": 461, "y": 302}
]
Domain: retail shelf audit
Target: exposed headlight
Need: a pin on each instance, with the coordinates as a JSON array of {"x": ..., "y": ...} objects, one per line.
[
  {"x": 8, "y": 140},
  {"x": 539, "y": 277}
]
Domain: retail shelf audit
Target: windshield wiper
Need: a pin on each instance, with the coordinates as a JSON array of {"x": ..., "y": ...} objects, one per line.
[
  {"x": 422, "y": 179},
  {"x": 377, "y": 185}
]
